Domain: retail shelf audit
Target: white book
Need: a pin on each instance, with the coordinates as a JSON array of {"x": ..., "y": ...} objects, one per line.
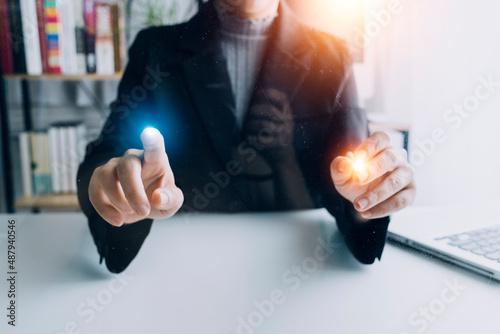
[
  {"x": 25, "y": 153},
  {"x": 31, "y": 37},
  {"x": 73, "y": 157},
  {"x": 55, "y": 164},
  {"x": 81, "y": 132},
  {"x": 104, "y": 49},
  {"x": 63, "y": 140},
  {"x": 81, "y": 63},
  {"x": 67, "y": 12}
]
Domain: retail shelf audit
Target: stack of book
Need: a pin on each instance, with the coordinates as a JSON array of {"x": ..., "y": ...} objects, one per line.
[
  {"x": 50, "y": 159},
  {"x": 71, "y": 37}
]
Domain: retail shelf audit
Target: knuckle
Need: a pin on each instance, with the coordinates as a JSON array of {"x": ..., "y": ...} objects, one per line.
[
  {"x": 376, "y": 195},
  {"x": 376, "y": 167},
  {"x": 392, "y": 157},
  {"x": 394, "y": 183},
  {"x": 125, "y": 166},
  {"x": 400, "y": 202},
  {"x": 129, "y": 152},
  {"x": 383, "y": 137}
]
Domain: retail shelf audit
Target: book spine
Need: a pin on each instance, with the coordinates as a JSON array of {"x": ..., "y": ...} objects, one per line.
[
  {"x": 105, "y": 58},
  {"x": 67, "y": 14},
  {"x": 80, "y": 37},
  {"x": 55, "y": 167},
  {"x": 41, "y": 165},
  {"x": 40, "y": 14},
  {"x": 119, "y": 47},
  {"x": 25, "y": 154},
  {"x": 16, "y": 37},
  {"x": 63, "y": 144},
  {"x": 31, "y": 37},
  {"x": 89, "y": 19},
  {"x": 82, "y": 141},
  {"x": 7, "y": 61},
  {"x": 73, "y": 158},
  {"x": 54, "y": 40}
]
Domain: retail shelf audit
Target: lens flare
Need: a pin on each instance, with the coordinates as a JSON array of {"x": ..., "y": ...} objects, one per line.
[{"x": 358, "y": 165}]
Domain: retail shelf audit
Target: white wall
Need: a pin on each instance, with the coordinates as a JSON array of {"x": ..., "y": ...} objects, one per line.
[{"x": 431, "y": 57}]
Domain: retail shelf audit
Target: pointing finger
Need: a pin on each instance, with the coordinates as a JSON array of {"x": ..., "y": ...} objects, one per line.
[{"x": 154, "y": 146}]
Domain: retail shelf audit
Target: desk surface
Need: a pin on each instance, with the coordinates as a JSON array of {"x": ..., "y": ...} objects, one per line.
[{"x": 257, "y": 273}]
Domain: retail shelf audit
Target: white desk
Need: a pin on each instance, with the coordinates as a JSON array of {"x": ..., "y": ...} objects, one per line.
[{"x": 210, "y": 271}]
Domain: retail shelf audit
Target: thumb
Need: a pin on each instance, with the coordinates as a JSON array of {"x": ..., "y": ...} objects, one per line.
[
  {"x": 168, "y": 198},
  {"x": 154, "y": 146},
  {"x": 341, "y": 171}
]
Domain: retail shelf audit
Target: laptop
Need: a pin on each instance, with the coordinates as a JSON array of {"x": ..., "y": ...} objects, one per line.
[{"x": 468, "y": 236}]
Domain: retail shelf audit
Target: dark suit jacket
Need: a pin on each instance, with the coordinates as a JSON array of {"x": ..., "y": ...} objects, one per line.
[{"x": 177, "y": 81}]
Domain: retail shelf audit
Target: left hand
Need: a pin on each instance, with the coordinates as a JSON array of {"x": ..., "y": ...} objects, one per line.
[{"x": 383, "y": 186}]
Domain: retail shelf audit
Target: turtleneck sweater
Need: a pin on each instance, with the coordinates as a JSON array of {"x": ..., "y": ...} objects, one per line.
[{"x": 243, "y": 43}]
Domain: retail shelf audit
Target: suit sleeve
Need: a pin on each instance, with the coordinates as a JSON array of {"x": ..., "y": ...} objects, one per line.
[
  {"x": 348, "y": 129},
  {"x": 118, "y": 246}
]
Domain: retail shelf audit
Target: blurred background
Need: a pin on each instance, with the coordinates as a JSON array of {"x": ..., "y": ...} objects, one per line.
[{"x": 428, "y": 67}]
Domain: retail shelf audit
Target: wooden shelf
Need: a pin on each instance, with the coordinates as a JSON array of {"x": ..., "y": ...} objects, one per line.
[
  {"x": 60, "y": 202},
  {"x": 64, "y": 77}
]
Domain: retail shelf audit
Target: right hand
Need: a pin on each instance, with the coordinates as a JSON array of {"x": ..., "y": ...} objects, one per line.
[{"x": 138, "y": 185}]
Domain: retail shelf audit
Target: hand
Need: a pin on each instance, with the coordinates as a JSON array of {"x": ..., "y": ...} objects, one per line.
[
  {"x": 382, "y": 184},
  {"x": 269, "y": 126},
  {"x": 136, "y": 186}
]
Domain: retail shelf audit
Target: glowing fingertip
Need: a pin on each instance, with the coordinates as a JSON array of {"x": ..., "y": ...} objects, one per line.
[{"x": 358, "y": 165}]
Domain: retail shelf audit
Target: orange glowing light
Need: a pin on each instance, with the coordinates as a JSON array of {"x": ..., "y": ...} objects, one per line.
[{"x": 358, "y": 165}]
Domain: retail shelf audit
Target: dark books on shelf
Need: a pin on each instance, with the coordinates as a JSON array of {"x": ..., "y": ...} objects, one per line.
[
  {"x": 7, "y": 61},
  {"x": 16, "y": 36}
]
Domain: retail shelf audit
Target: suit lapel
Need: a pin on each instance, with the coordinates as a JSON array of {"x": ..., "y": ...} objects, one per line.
[
  {"x": 287, "y": 59},
  {"x": 209, "y": 84},
  {"x": 206, "y": 74},
  {"x": 284, "y": 67}
]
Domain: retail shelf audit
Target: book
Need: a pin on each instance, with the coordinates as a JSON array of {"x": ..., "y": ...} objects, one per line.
[
  {"x": 105, "y": 59},
  {"x": 54, "y": 37},
  {"x": 31, "y": 37},
  {"x": 68, "y": 146},
  {"x": 73, "y": 158},
  {"x": 7, "y": 62},
  {"x": 16, "y": 36},
  {"x": 67, "y": 15},
  {"x": 64, "y": 170},
  {"x": 40, "y": 163},
  {"x": 119, "y": 47},
  {"x": 80, "y": 37},
  {"x": 89, "y": 19},
  {"x": 25, "y": 155},
  {"x": 42, "y": 37},
  {"x": 55, "y": 159}
]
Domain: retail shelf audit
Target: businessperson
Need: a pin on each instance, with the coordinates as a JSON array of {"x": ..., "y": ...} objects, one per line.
[{"x": 254, "y": 111}]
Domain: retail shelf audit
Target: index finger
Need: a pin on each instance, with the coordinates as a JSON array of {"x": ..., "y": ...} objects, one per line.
[
  {"x": 154, "y": 145},
  {"x": 377, "y": 142}
]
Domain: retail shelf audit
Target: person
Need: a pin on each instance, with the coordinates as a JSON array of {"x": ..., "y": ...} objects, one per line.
[{"x": 255, "y": 112}]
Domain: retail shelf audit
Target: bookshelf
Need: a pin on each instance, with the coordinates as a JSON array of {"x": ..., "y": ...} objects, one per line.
[
  {"x": 64, "y": 77},
  {"x": 67, "y": 202},
  {"x": 84, "y": 36}
]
